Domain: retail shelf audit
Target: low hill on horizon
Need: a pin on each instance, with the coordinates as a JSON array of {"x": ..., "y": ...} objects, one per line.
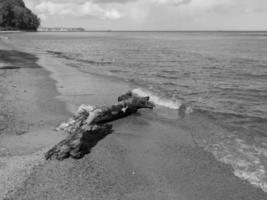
[{"x": 14, "y": 15}]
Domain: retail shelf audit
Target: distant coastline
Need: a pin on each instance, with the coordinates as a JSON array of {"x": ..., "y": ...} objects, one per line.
[
  {"x": 60, "y": 29},
  {"x": 73, "y": 29}
]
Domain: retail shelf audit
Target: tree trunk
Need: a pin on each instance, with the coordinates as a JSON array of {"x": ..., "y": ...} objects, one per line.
[{"x": 88, "y": 126}]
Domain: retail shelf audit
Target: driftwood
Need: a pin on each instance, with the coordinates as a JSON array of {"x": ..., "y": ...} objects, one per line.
[{"x": 88, "y": 126}]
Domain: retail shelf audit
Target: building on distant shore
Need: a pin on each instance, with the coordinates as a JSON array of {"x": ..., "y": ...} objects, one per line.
[{"x": 60, "y": 29}]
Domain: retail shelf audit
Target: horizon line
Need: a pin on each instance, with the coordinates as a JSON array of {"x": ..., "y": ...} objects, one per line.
[
  {"x": 110, "y": 30},
  {"x": 152, "y": 30}
]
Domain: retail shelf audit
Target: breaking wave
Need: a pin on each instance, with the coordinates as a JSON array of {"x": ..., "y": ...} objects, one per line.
[{"x": 172, "y": 104}]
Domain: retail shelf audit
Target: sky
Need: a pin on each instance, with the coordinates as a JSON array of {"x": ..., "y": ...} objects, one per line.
[{"x": 152, "y": 14}]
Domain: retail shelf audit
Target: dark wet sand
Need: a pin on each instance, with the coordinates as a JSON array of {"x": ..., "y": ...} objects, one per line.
[{"x": 149, "y": 155}]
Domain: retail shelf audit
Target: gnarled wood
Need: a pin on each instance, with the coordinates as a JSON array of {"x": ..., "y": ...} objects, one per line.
[
  {"x": 79, "y": 143},
  {"x": 88, "y": 126}
]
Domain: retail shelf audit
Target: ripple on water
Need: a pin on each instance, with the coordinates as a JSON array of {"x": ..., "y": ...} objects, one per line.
[{"x": 3, "y": 124}]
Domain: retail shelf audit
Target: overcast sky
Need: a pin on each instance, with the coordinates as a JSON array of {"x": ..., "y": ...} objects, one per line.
[{"x": 153, "y": 14}]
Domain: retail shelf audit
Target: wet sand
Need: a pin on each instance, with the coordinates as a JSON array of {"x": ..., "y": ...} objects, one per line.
[{"x": 149, "y": 156}]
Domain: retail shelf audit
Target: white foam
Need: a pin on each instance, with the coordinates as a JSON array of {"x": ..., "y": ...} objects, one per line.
[
  {"x": 245, "y": 159},
  {"x": 172, "y": 104}
]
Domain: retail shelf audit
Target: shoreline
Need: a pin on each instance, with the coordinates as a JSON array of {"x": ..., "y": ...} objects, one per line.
[
  {"x": 147, "y": 156},
  {"x": 27, "y": 102},
  {"x": 78, "y": 88}
]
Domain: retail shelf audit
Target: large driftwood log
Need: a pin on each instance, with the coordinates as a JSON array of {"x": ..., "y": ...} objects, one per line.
[
  {"x": 79, "y": 143},
  {"x": 88, "y": 126}
]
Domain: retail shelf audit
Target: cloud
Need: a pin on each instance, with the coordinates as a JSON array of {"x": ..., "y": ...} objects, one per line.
[
  {"x": 225, "y": 7},
  {"x": 152, "y": 14},
  {"x": 172, "y": 2},
  {"x": 114, "y": 1},
  {"x": 83, "y": 9}
]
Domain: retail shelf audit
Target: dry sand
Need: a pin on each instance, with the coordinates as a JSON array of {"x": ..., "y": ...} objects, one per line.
[
  {"x": 28, "y": 114},
  {"x": 149, "y": 155}
]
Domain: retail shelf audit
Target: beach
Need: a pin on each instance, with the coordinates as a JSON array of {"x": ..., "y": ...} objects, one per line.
[
  {"x": 150, "y": 155},
  {"x": 28, "y": 105}
]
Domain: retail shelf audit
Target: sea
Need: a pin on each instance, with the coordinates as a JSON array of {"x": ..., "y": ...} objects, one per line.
[{"x": 218, "y": 79}]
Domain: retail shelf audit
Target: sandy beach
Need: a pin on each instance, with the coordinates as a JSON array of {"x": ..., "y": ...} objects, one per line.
[
  {"x": 149, "y": 155},
  {"x": 29, "y": 111}
]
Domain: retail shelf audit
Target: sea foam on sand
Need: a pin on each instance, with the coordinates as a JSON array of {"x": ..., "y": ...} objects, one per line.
[{"x": 245, "y": 159}]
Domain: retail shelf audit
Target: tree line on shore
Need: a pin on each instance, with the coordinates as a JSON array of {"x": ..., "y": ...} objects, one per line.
[{"x": 14, "y": 15}]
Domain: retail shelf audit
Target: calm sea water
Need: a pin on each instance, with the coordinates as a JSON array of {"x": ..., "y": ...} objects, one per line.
[{"x": 221, "y": 75}]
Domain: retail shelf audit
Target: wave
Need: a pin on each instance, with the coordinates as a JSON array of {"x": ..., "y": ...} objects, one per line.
[
  {"x": 70, "y": 57},
  {"x": 175, "y": 104},
  {"x": 167, "y": 76},
  {"x": 92, "y": 62},
  {"x": 239, "y": 118},
  {"x": 246, "y": 160},
  {"x": 164, "y": 102},
  {"x": 172, "y": 104}
]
